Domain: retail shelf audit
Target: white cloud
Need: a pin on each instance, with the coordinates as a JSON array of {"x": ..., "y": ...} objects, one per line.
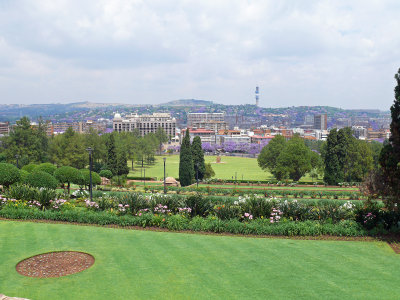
[{"x": 299, "y": 52}]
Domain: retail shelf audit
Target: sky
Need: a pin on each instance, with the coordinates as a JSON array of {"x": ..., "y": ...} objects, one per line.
[{"x": 336, "y": 53}]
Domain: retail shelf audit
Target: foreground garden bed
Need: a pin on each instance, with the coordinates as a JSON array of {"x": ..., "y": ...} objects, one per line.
[{"x": 197, "y": 224}]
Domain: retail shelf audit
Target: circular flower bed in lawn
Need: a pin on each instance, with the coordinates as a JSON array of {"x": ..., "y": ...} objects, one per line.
[{"x": 55, "y": 264}]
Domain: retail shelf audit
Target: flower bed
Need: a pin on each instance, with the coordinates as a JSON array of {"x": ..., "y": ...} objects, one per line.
[{"x": 249, "y": 214}]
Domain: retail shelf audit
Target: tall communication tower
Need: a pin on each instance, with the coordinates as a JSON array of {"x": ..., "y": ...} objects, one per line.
[{"x": 257, "y": 95}]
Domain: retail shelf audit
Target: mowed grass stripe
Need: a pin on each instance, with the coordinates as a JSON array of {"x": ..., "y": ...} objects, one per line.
[{"x": 141, "y": 264}]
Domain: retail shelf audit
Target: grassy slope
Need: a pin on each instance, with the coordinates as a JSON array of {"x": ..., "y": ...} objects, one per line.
[
  {"x": 141, "y": 264},
  {"x": 245, "y": 166}
]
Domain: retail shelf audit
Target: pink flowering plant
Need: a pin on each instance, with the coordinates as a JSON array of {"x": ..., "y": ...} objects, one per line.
[
  {"x": 247, "y": 216},
  {"x": 276, "y": 215},
  {"x": 60, "y": 204},
  {"x": 91, "y": 205},
  {"x": 370, "y": 220},
  {"x": 184, "y": 211},
  {"x": 123, "y": 208}
]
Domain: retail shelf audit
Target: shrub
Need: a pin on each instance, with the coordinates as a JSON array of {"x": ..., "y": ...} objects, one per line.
[
  {"x": 21, "y": 192},
  {"x": 106, "y": 173},
  {"x": 199, "y": 205},
  {"x": 28, "y": 193},
  {"x": 228, "y": 211},
  {"x": 84, "y": 179},
  {"x": 41, "y": 179},
  {"x": 119, "y": 180},
  {"x": 177, "y": 222},
  {"x": 9, "y": 174},
  {"x": 23, "y": 174},
  {"x": 46, "y": 167},
  {"x": 29, "y": 168},
  {"x": 67, "y": 175},
  {"x": 135, "y": 201}
]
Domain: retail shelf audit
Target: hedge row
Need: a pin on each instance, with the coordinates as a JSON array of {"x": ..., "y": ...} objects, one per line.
[
  {"x": 268, "y": 193},
  {"x": 141, "y": 178},
  {"x": 178, "y": 222}
]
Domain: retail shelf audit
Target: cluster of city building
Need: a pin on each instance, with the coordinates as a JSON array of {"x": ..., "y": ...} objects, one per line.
[{"x": 214, "y": 128}]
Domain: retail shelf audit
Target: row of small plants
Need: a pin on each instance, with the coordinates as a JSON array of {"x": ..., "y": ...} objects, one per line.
[
  {"x": 350, "y": 195},
  {"x": 341, "y": 217},
  {"x": 274, "y": 182}
]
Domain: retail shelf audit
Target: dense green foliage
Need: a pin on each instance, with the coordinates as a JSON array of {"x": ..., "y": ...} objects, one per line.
[
  {"x": 46, "y": 167},
  {"x": 267, "y": 160},
  {"x": 390, "y": 154},
  {"x": 198, "y": 158},
  {"x": 346, "y": 159},
  {"x": 186, "y": 170},
  {"x": 106, "y": 173},
  {"x": 208, "y": 171},
  {"x": 9, "y": 174},
  {"x": 67, "y": 175},
  {"x": 112, "y": 161},
  {"x": 291, "y": 159},
  {"x": 122, "y": 164},
  {"x": 84, "y": 179},
  {"x": 68, "y": 149},
  {"x": 29, "y": 142},
  {"x": 29, "y": 167},
  {"x": 41, "y": 179}
]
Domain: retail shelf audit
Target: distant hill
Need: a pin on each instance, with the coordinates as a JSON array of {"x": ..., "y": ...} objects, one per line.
[{"x": 187, "y": 102}]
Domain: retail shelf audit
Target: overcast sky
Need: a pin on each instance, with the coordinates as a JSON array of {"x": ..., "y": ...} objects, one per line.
[{"x": 337, "y": 53}]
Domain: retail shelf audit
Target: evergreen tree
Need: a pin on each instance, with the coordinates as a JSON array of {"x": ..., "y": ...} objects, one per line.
[
  {"x": 390, "y": 155},
  {"x": 122, "y": 164},
  {"x": 333, "y": 171},
  {"x": 112, "y": 162},
  {"x": 198, "y": 158},
  {"x": 186, "y": 171}
]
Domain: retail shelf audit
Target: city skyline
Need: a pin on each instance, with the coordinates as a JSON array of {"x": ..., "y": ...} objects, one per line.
[{"x": 299, "y": 54}]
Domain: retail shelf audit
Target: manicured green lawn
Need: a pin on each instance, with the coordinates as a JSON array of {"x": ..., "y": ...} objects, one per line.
[
  {"x": 157, "y": 265},
  {"x": 245, "y": 166}
]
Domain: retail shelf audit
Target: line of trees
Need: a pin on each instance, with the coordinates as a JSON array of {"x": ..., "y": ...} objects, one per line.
[{"x": 28, "y": 143}]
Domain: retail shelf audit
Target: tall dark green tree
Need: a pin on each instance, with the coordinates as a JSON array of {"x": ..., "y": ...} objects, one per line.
[
  {"x": 198, "y": 158},
  {"x": 112, "y": 161},
  {"x": 122, "y": 163},
  {"x": 186, "y": 171},
  {"x": 333, "y": 171},
  {"x": 390, "y": 155}
]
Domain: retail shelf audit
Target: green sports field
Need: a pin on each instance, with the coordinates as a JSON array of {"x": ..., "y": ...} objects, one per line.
[
  {"x": 244, "y": 167},
  {"x": 160, "y": 265}
]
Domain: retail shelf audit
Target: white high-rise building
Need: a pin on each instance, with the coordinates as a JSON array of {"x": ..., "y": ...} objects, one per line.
[{"x": 145, "y": 123}]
